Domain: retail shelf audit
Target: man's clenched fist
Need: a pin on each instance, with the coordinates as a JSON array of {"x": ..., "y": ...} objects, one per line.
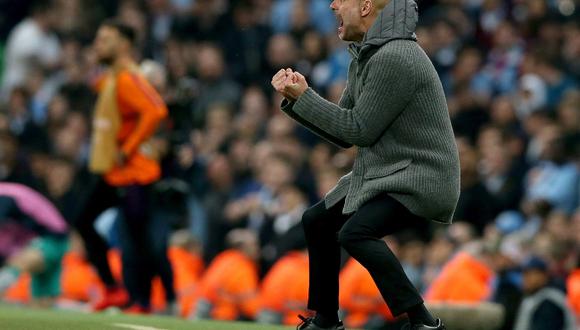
[{"x": 290, "y": 84}]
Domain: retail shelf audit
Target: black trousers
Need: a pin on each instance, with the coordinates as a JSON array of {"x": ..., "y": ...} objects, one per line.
[
  {"x": 360, "y": 234},
  {"x": 143, "y": 239}
]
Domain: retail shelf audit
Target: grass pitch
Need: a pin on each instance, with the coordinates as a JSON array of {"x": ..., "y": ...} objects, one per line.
[{"x": 22, "y": 318}]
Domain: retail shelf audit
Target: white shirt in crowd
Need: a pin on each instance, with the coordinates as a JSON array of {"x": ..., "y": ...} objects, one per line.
[{"x": 27, "y": 47}]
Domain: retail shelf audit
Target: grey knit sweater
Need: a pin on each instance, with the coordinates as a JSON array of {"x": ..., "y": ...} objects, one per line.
[{"x": 394, "y": 110}]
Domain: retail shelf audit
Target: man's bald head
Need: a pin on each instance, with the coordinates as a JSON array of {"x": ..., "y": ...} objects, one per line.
[
  {"x": 355, "y": 17},
  {"x": 378, "y": 5}
]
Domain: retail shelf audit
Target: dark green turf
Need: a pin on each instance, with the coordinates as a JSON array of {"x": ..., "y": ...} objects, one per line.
[{"x": 15, "y": 318}]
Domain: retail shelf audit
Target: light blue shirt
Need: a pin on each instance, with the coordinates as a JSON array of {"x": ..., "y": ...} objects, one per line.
[
  {"x": 321, "y": 16},
  {"x": 558, "y": 184}
]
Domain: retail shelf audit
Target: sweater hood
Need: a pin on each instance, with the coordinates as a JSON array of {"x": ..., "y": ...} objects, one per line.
[{"x": 397, "y": 20}]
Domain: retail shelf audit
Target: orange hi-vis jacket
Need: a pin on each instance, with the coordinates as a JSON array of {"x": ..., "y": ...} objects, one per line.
[
  {"x": 141, "y": 110},
  {"x": 19, "y": 291},
  {"x": 462, "y": 279},
  {"x": 285, "y": 288},
  {"x": 187, "y": 269},
  {"x": 230, "y": 286},
  {"x": 78, "y": 279},
  {"x": 573, "y": 289},
  {"x": 359, "y": 296}
]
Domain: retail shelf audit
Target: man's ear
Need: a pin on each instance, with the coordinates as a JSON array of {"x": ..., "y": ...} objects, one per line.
[
  {"x": 366, "y": 7},
  {"x": 125, "y": 44}
]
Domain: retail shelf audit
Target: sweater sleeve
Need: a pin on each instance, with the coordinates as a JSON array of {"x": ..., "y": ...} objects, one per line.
[
  {"x": 288, "y": 108},
  {"x": 146, "y": 103},
  {"x": 386, "y": 91}
]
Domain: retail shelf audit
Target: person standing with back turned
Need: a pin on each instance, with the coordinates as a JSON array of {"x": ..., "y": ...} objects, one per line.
[{"x": 407, "y": 166}]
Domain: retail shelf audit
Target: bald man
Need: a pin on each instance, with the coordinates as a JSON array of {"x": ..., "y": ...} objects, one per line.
[{"x": 406, "y": 171}]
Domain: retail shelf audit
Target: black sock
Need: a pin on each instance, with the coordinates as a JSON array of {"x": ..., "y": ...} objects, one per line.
[
  {"x": 326, "y": 319},
  {"x": 420, "y": 315}
]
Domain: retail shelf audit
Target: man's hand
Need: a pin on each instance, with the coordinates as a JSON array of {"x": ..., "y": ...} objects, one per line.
[
  {"x": 280, "y": 80},
  {"x": 296, "y": 86},
  {"x": 290, "y": 84},
  {"x": 121, "y": 158}
]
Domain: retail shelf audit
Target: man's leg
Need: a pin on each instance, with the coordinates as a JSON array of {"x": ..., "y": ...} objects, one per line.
[
  {"x": 135, "y": 245},
  {"x": 320, "y": 228},
  {"x": 45, "y": 284},
  {"x": 27, "y": 260},
  {"x": 158, "y": 236},
  {"x": 24, "y": 260},
  {"x": 42, "y": 259},
  {"x": 361, "y": 236},
  {"x": 101, "y": 198}
]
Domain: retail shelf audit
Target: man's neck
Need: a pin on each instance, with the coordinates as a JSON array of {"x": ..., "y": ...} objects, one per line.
[
  {"x": 123, "y": 62},
  {"x": 369, "y": 21}
]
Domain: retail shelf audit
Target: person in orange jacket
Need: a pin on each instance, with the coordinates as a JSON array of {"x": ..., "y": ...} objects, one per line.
[
  {"x": 78, "y": 280},
  {"x": 124, "y": 164},
  {"x": 284, "y": 292},
  {"x": 573, "y": 290},
  {"x": 465, "y": 278},
  {"x": 573, "y": 280},
  {"x": 229, "y": 288},
  {"x": 360, "y": 300},
  {"x": 19, "y": 291},
  {"x": 187, "y": 263}
]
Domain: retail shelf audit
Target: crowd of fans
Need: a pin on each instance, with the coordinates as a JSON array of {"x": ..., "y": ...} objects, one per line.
[{"x": 237, "y": 173}]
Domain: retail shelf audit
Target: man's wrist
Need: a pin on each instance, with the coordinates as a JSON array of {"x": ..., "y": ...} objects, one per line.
[{"x": 123, "y": 155}]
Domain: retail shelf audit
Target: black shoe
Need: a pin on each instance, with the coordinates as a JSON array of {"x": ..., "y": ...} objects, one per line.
[
  {"x": 308, "y": 324},
  {"x": 439, "y": 326}
]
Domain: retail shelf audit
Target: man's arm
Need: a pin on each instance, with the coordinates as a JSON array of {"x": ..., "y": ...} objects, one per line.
[
  {"x": 288, "y": 106},
  {"x": 286, "y": 76},
  {"x": 141, "y": 98},
  {"x": 386, "y": 91}
]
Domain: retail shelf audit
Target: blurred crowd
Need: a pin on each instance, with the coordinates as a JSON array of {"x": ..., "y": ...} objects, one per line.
[{"x": 237, "y": 173}]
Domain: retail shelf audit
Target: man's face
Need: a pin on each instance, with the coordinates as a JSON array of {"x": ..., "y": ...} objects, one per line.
[
  {"x": 107, "y": 44},
  {"x": 533, "y": 280},
  {"x": 348, "y": 14}
]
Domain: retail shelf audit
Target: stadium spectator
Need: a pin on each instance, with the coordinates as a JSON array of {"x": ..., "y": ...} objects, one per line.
[
  {"x": 555, "y": 179},
  {"x": 41, "y": 241},
  {"x": 557, "y": 81},
  {"x": 186, "y": 261},
  {"x": 283, "y": 231},
  {"x": 79, "y": 281},
  {"x": 573, "y": 281},
  {"x": 214, "y": 84},
  {"x": 499, "y": 74},
  {"x": 31, "y": 45},
  {"x": 544, "y": 307},
  {"x": 473, "y": 191},
  {"x": 284, "y": 290},
  {"x": 465, "y": 278},
  {"x": 228, "y": 289},
  {"x": 316, "y": 12},
  {"x": 360, "y": 300},
  {"x": 573, "y": 289}
]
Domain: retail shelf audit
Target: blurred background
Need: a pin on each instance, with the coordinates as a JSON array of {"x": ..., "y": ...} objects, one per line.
[{"x": 237, "y": 173}]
